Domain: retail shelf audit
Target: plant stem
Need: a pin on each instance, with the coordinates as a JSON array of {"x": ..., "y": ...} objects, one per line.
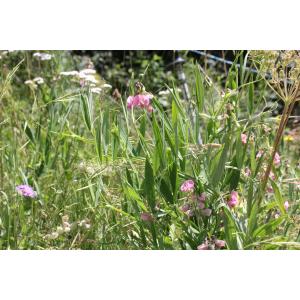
[{"x": 283, "y": 122}]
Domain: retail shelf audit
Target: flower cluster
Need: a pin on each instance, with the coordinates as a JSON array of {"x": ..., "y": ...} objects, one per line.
[
  {"x": 233, "y": 199},
  {"x": 26, "y": 191},
  {"x": 42, "y": 56},
  {"x": 66, "y": 227},
  {"x": 146, "y": 217},
  {"x": 140, "y": 100},
  {"x": 212, "y": 244},
  {"x": 33, "y": 83},
  {"x": 195, "y": 203}
]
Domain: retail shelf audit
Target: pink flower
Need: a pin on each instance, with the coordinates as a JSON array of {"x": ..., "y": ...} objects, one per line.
[
  {"x": 203, "y": 246},
  {"x": 259, "y": 154},
  {"x": 233, "y": 200},
  {"x": 286, "y": 205},
  {"x": 202, "y": 197},
  {"x": 277, "y": 159},
  {"x": 132, "y": 101},
  {"x": 272, "y": 176},
  {"x": 185, "y": 207},
  {"x": 149, "y": 108},
  {"x": 147, "y": 217},
  {"x": 190, "y": 213},
  {"x": 187, "y": 186},
  {"x": 206, "y": 212},
  {"x": 270, "y": 189},
  {"x": 201, "y": 205},
  {"x": 220, "y": 244},
  {"x": 247, "y": 172},
  {"x": 244, "y": 138},
  {"x": 26, "y": 191},
  {"x": 140, "y": 100}
]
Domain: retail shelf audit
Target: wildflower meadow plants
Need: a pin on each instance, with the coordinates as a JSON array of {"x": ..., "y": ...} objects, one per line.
[{"x": 102, "y": 172}]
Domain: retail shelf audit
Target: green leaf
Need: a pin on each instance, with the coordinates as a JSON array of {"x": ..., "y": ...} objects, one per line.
[
  {"x": 250, "y": 96},
  {"x": 149, "y": 190},
  {"x": 86, "y": 108},
  {"x": 199, "y": 89},
  {"x": 269, "y": 228},
  {"x": 165, "y": 191},
  {"x": 221, "y": 160},
  {"x": 278, "y": 197},
  {"x": 98, "y": 139}
]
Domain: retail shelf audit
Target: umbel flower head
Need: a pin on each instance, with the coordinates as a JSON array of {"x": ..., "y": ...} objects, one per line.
[
  {"x": 282, "y": 69},
  {"x": 26, "y": 191}
]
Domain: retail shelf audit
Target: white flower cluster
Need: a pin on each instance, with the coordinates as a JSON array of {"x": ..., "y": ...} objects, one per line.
[
  {"x": 36, "y": 81},
  {"x": 66, "y": 227},
  {"x": 42, "y": 56}
]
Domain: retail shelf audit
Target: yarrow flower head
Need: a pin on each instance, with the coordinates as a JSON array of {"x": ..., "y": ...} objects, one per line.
[
  {"x": 187, "y": 186},
  {"x": 26, "y": 191},
  {"x": 43, "y": 56},
  {"x": 233, "y": 200}
]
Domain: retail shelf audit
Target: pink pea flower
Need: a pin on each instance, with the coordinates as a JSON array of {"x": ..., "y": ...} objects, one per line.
[
  {"x": 202, "y": 197},
  {"x": 187, "y": 186},
  {"x": 259, "y": 154},
  {"x": 220, "y": 244},
  {"x": 244, "y": 138},
  {"x": 132, "y": 101},
  {"x": 26, "y": 191},
  {"x": 247, "y": 172},
  {"x": 147, "y": 217},
  {"x": 190, "y": 213},
  {"x": 149, "y": 108},
  {"x": 277, "y": 159},
  {"x": 201, "y": 205},
  {"x": 203, "y": 246},
  {"x": 233, "y": 200},
  {"x": 140, "y": 100},
  {"x": 270, "y": 189},
  {"x": 286, "y": 205},
  {"x": 206, "y": 212},
  {"x": 272, "y": 176},
  {"x": 185, "y": 207}
]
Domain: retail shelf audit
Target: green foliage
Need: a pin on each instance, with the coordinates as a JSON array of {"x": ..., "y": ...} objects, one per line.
[{"x": 98, "y": 166}]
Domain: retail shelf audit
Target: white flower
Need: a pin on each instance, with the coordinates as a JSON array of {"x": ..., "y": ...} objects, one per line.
[
  {"x": 38, "y": 80},
  {"x": 59, "y": 230},
  {"x": 88, "y": 71},
  {"x": 69, "y": 73},
  {"x": 164, "y": 93},
  {"x": 67, "y": 229},
  {"x": 106, "y": 86},
  {"x": 30, "y": 83},
  {"x": 91, "y": 79},
  {"x": 53, "y": 235},
  {"x": 43, "y": 56},
  {"x": 96, "y": 90}
]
